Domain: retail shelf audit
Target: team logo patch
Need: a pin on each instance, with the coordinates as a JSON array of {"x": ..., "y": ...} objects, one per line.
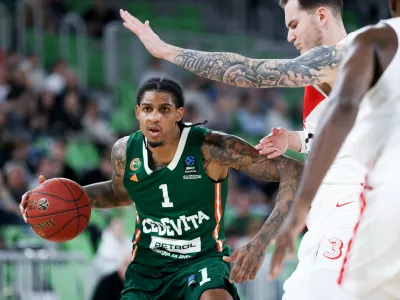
[
  {"x": 190, "y": 165},
  {"x": 135, "y": 164},
  {"x": 42, "y": 204}
]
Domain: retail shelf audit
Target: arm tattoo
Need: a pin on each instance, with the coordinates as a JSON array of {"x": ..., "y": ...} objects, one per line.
[
  {"x": 233, "y": 152},
  {"x": 313, "y": 67},
  {"x": 111, "y": 193}
]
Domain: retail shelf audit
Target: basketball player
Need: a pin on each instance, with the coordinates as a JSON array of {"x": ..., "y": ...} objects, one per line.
[
  {"x": 176, "y": 175},
  {"x": 311, "y": 24},
  {"x": 369, "y": 115}
]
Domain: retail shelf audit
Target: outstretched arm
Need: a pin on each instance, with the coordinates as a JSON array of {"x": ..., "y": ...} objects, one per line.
[
  {"x": 227, "y": 151},
  {"x": 319, "y": 65},
  {"x": 111, "y": 193}
]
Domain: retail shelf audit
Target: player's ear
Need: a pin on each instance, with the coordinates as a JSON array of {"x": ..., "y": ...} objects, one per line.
[
  {"x": 179, "y": 114},
  {"x": 322, "y": 16},
  {"x": 137, "y": 111}
]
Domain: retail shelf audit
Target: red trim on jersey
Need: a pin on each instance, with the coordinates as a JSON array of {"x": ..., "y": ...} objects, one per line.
[
  {"x": 137, "y": 238},
  {"x": 312, "y": 97},
  {"x": 134, "y": 253},
  {"x": 363, "y": 206},
  {"x": 217, "y": 214}
]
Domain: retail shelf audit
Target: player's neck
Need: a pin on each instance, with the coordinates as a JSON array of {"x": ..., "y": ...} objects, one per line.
[
  {"x": 165, "y": 153},
  {"x": 337, "y": 33}
]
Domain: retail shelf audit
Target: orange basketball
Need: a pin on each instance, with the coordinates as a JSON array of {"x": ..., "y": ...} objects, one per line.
[{"x": 58, "y": 210}]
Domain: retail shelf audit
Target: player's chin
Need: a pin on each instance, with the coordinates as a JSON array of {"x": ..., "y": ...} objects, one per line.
[{"x": 154, "y": 143}]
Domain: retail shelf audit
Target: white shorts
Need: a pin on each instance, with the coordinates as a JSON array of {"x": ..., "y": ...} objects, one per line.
[
  {"x": 374, "y": 257},
  {"x": 331, "y": 222}
]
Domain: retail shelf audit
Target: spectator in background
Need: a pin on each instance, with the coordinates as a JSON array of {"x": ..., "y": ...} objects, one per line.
[
  {"x": 277, "y": 115},
  {"x": 57, "y": 155},
  {"x": 113, "y": 247},
  {"x": 72, "y": 86},
  {"x": 250, "y": 119},
  {"x": 45, "y": 168},
  {"x": 9, "y": 210},
  {"x": 56, "y": 81},
  {"x": 44, "y": 119},
  {"x": 224, "y": 108},
  {"x": 197, "y": 98},
  {"x": 96, "y": 127},
  {"x": 36, "y": 75},
  {"x": 102, "y": 173},
  {"x": 155, "y": 69},
  {"x": 70, "y": 117},
  {"x": 97, "y": 17},
  {"x": 18, "y": 85},
  {"x": 111, "y": 285},
  {"x": 4, "y": 86},
  {"x": 16, "y": 180},
  {"x": 20, "y": 154},
  {"x": 6, "y": 135}
]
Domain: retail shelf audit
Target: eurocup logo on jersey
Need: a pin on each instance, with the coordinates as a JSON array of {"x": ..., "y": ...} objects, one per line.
[
  {"x": 190, "y": 165},
  {"x": 42, "y": 204},
  {"x": 190, "y": 168},
  {"x": 135, "y": 164}
]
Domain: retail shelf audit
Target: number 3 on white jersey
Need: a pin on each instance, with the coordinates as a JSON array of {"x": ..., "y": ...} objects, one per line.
[
  {"x": 166, "y": 202},
  {"x": 336, "y": 251}
]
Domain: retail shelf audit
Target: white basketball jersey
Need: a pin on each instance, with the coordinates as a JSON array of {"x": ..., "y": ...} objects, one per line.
[
  {"x": 345, "y": 169},
  {"x": 379, "y": 115}
]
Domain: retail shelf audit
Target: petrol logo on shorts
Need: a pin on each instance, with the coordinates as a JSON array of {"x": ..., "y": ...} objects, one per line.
[
  {"x": 135, "y": 164},
  {"x": 42, "y": 204}
]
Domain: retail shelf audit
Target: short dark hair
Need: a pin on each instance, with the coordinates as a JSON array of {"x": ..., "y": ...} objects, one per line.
[
  {"x": 336, "y": 5},
  {"x": 161, "y": 84}
]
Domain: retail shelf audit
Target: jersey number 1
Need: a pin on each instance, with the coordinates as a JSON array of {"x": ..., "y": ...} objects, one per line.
[{"x": 166, "y": 202}]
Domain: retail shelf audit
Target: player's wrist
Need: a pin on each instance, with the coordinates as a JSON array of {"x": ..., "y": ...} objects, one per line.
[
  {"x": 169, "y": 52},
  {"x": 294, "y": 141}
]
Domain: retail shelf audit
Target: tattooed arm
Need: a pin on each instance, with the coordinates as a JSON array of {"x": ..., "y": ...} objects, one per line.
[
  {"x": 111, "y": 193},
  {"x": 222, "y": 151},
  {"x": 317, "y": 66}
]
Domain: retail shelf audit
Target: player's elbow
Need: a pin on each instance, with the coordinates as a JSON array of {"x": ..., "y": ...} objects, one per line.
[{"x": 347, "y": 106}]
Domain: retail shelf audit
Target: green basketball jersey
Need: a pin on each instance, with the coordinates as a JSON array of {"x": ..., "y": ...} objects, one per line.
[{"x": 179, "y": 208}]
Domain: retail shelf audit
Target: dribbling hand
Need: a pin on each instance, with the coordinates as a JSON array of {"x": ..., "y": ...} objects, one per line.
[
  {"x": 24, "y": 201},
  {"x": 248, "y": 260},
  {"x": 150, "y": 40},
  {"x": 285, "y": 241},
  {"x": 274, "y": 144}
]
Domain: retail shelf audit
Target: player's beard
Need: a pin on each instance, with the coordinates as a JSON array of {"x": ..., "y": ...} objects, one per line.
[
  {"x": 155, "y": 144},
  {"x": 318, "y": 38}
]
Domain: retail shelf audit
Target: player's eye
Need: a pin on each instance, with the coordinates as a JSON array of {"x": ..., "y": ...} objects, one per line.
[
  {"x": 164, "y": 109},
  {"x": 146, "y": 109}
]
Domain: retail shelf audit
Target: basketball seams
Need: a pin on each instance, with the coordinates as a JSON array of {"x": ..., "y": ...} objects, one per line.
[
  {"x": 76, "y": 202},
  {"x": 58, "y": 213},
  {"x": 78, "y": 216},
  {"x": 55, "y": 196}
]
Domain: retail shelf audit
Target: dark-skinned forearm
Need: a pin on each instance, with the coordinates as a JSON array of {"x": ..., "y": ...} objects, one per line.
[
  {"x": 102, "y": 195},
  {"x": 284, "y": 201}
]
